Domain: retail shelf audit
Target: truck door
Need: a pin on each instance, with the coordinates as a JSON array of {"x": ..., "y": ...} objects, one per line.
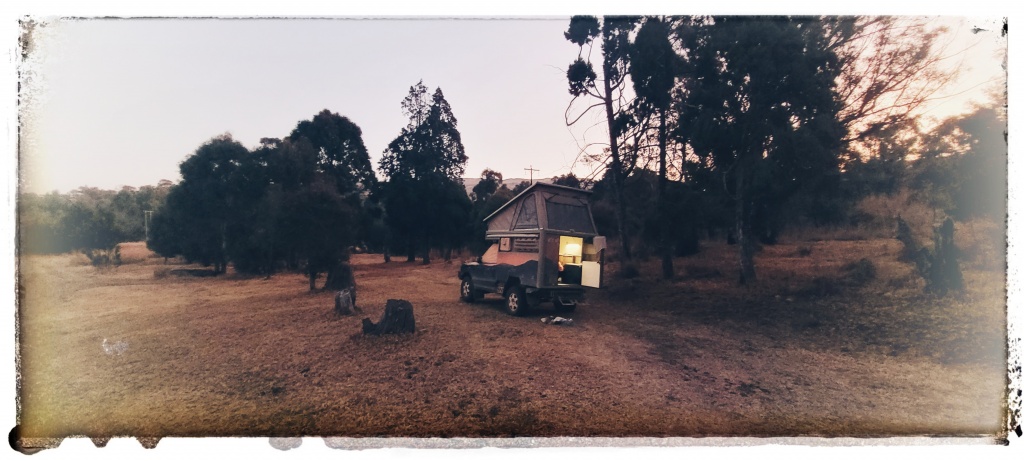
[{"x": 593, "y": 256}]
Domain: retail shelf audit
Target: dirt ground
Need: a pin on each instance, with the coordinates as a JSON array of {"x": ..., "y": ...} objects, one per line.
[{"x": 810, "y": 350}]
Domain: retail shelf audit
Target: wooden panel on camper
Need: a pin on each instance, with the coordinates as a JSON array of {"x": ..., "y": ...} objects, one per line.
[{"x": 517, "y": 250}]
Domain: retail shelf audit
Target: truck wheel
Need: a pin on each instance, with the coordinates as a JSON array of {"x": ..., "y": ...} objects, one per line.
[
  {"x": 515, "y": 301},
  {"x": 467, "y": 291},
  {"x": 564, "y": 307}
]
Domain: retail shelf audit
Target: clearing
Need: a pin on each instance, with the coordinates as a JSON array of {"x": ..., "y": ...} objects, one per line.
[{"x": 819, "y": 346}]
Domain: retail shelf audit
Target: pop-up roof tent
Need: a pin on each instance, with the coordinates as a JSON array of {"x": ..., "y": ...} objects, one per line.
[
  {"x": 549, "y": 232},
  {"x": 543, "y": 207}
]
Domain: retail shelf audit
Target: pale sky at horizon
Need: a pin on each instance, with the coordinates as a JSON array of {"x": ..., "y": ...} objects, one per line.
[{"x": 123, "y": 102}]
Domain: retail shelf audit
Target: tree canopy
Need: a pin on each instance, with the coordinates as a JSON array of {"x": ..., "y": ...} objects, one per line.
[
  {"x": 715, "y": 125},
  {"x": 762, "y": 104},
  {"x": 340, "y": 151},
  {"x": 295, "y": 202},
  {"x": 423, "y": 166}
]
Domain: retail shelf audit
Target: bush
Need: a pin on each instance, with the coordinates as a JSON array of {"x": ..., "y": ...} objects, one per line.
[
  {"x": 100, "y": 258},
  {"x": 938, "y": 265}
]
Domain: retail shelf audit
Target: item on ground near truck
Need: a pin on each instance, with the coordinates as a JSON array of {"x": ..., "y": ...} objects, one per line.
[
  {"x": 114, "y": 348},
  {"x": 553, "y": 320}
]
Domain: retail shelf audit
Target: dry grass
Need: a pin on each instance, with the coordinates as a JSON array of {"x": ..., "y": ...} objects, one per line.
[
  {"x": 874, "y": 217},
  {"x": 692, "y": 356},
  {"x": 136, "y": 253}
]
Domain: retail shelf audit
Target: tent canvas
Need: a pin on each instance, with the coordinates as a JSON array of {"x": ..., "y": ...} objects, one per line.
[{"x": 543, "y": 207}]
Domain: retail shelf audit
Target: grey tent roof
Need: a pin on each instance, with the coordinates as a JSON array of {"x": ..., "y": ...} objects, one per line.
[
  {"x": 536, "y": 185},
  {"x": 543, "y": 206}
]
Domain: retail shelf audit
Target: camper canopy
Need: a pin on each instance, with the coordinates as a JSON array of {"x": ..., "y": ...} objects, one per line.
[{"x": 546, "y": 207}]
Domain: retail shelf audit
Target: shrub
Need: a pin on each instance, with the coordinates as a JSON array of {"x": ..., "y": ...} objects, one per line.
[
  {"x": 875, "y": 216},
  {"x": 101, "y": 258},
  {"x": 938, "y": 265}
]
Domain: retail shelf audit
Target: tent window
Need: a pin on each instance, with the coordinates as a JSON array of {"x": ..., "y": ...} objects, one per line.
[
  {"x": 567, "y": 217},
  {"x": 527, "y": 214}
]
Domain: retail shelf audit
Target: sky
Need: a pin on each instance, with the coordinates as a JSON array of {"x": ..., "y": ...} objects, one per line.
[
  {"x": 114, "y": 102},
  {"x": 122, "y": 102}
]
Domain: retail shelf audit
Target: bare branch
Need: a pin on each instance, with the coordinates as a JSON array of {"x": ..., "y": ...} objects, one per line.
[{"x": 569, "y": 108}]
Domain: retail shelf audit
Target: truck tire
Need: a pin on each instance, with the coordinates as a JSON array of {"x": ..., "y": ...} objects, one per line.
[
  {"x": 467, "y": 291},
  {"x": 515, "y": 301}
]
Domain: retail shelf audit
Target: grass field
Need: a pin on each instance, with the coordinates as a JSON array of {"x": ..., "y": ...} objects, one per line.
[{"x": 819, "y": 346}]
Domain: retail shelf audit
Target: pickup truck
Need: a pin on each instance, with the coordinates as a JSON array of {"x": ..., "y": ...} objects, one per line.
[
  {"x": 545, "y": 249},
  {"x": 516, "y": 286}
]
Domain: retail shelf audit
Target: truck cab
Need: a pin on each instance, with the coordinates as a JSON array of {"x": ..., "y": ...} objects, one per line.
[{"x": 544, "y": 247}]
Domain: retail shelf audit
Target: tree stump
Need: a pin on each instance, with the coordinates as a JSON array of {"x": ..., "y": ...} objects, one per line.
[
  {"x": 397, "y": 318},
  {"x": 945, "y": 272},
  {"x": 938, "y": 265},
  {"x": 345, "y": 302}
]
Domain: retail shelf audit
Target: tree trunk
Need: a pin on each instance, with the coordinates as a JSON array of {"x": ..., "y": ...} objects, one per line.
[
  {"x": 397, "y": 318},
  {"x": 945, "y": 274},
  {"x": 312, "y": 279},
  {"x": 223, "y": 254},
  {"x": 426, "y": 251},
  {"x": 411, "y": 250},
  {"x": 617, "y": 179},
  {"x": 687, "y": 241},
  {"x": 664, "y": 244},
  {"x": 743, "y": 229},
  {"x": 340, "y": 277}
]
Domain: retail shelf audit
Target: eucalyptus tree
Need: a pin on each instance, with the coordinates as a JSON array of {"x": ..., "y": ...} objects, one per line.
[
  {"x": 889, "y": 68},
  {"x": 762, "y": 104},
  {"x": 655, "y": 67},
  {"x": 612, "y": 34}
]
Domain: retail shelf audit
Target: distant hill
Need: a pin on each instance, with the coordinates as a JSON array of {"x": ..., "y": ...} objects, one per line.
[{"x": 510, "y": 182}]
